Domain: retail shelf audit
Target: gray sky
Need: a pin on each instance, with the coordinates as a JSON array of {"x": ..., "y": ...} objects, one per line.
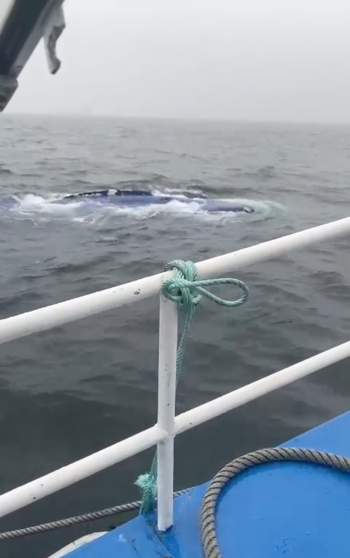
[{"x": 227, "y": 59}]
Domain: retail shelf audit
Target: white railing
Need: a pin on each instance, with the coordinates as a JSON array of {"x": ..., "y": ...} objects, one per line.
[{"x": 168, "y": 426}]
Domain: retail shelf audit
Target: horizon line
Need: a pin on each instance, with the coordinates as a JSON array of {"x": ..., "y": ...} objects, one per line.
[{"x": 91, "y": 116}]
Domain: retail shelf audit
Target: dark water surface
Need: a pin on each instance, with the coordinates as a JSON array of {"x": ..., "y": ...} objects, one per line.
[{"x": 74, "y": 390}]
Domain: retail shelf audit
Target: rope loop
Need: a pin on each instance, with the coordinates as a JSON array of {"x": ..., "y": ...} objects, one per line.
[{"x": 186, "y": 290}]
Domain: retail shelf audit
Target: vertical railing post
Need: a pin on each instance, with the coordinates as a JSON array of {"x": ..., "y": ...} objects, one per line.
[{"x": 168, "y": 327}]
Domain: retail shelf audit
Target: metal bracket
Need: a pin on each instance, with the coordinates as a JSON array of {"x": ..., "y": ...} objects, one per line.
[{"x": 54, "y": 26}]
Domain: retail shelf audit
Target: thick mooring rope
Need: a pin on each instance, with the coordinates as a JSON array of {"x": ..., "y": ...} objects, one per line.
[
  {"x": 186, "y": 290},
  {"x": 76, "y": 520},
  {"x": 237, "y": 466}
]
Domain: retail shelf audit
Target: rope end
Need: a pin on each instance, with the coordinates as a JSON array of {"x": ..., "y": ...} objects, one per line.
[{"x": 148, "y": 485}]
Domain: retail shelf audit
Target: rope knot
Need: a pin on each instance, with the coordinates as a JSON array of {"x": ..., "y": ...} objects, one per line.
[{"x": 182, "y": 287}]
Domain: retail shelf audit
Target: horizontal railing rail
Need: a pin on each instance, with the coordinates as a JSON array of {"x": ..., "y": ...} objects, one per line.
[
  {"x": 168, "y": 426},
  {"x": 108, "y": 299}
]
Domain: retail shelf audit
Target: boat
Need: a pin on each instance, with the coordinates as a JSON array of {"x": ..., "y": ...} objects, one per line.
[{"x": 290, "y": 500}]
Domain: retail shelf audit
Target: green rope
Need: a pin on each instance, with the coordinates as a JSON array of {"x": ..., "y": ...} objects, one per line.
[{"x": 186, "y": 290}]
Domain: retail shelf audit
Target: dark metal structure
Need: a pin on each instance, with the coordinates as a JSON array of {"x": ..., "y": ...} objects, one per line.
[{"x": 24, "y": 24}]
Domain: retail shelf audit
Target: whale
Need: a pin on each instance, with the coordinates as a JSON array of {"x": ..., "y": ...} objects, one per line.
[{"x": 141, "y": 198}]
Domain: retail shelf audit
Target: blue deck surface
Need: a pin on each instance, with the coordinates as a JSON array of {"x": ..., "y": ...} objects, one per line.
[{"x": 298, "y": 510}]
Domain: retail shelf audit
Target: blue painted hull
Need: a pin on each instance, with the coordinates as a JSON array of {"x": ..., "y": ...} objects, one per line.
[{"x": 297, "y": 510}]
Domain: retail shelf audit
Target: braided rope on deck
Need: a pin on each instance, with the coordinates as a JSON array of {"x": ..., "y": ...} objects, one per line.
[
  {"x": 237, "y": 466},
  {"x": 76, "y": 520}
]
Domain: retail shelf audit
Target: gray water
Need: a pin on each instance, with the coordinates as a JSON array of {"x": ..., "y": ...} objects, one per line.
[{"x": 72, "y": 391}]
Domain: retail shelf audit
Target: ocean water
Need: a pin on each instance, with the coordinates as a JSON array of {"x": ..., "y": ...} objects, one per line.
[{"x": 74, "y": 390}]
